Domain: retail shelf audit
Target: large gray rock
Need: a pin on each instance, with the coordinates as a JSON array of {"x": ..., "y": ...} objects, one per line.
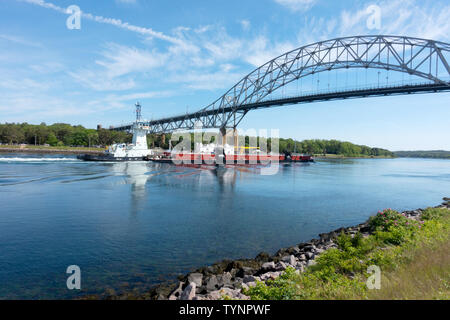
[
  {"x": 177, "y": 292},
  {"x": 245, "y": 271},
  {"x": 295, "y": 250},
  {"x": 211, "y": 283},
  {"x": 270, "y": 275},
  {"x": 250, "y": 278},
  {"x": 309, "y": 255},
  {"x": 319, "y": 251},
  {"x": 289, "y": 260},
  {"x": 234, "y": 294},
  {"x": 268, "y": 266},
  {"x": 189, "y": 292},
  {"x": 280, "y": 266},
  {"x": 302, "y": 257},
  {"x": 224, "y": 280},
  {"x": 326, "y": 236},
  {"x": 196, "y": 278}
]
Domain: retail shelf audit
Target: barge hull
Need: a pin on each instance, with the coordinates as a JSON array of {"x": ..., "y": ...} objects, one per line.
[{"x": 207, "y": 159}]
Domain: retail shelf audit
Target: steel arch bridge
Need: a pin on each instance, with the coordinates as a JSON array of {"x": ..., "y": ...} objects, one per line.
[{"x": 426, "y": 59}]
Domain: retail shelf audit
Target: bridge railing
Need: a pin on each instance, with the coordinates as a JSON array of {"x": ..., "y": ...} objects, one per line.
[{"x": 343, "y": 89}]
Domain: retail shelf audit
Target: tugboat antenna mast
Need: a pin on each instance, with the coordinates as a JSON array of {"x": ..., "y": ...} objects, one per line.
[{"x": 138, "y": 112}]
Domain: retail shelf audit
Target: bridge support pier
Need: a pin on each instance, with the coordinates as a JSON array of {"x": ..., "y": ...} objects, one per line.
[
  {"x": 236, "y": 140},
  {"x": 225, "y": 134}
]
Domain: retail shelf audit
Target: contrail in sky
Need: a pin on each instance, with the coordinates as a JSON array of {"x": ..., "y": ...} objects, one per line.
[{"x": 115, "y": 22}]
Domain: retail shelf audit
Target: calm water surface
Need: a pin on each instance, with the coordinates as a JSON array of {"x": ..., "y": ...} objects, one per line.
[{"x": 131, "y": 225}]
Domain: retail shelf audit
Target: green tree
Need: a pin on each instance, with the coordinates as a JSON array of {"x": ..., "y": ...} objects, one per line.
[{"x": 52, "y": 140}]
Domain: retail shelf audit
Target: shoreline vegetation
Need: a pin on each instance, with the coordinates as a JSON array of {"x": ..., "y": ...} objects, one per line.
[
  {"x": 98, "y": 150},
  {"x": 410, "y": 248},
  {"x": 339, "y": 156},
  {"x": 66, "y": 138},
  {"x": 81, "y": 150},
  {"x": 433, "y": 154},
  {"x": 48, "y": 149}
]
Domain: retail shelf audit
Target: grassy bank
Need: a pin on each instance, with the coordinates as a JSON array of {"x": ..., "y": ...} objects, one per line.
[
  {"x": 413, "y": 255},
  {"x": 49, "y": 149}
]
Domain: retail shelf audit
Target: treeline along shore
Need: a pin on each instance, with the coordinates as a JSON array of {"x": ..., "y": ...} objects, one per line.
[
  {"x": 62, "y": 136},
  {"x": 410, "y": 250},
  {"x": 433, "y": 154}
]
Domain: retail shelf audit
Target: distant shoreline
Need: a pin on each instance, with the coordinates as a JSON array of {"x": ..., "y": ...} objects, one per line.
[
  {"x": 431, "y": 154},
  {"x": 74, "y": 150},
  {"x": 42, "y": 149},
  {"x": 337, "y": 156},
  {"x": 82, "y": 150}
]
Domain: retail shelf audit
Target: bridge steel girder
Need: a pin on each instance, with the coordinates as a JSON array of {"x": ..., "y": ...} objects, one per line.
[{"x": 414, "y": 56}]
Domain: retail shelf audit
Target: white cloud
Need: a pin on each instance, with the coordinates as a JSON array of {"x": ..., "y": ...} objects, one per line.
[
  {"x": 260, "y": 50},
  {"x": 297, "y": 5},
  {"x": 207, "y": 57},
  {"x": 207, "y": 80},
  {"x": 119, "y": 65},
  {"x": 47, "y": 67},
  {"x": 141, "y": 95},
  {"x": 23, "y": 84},
  {"x": 245, "y": 24},
  {"x": 115, "y": 22},
  {"x": 398, "y": 17},
  {"x": 203, "y": 29},
  {"x": 122, "y": 60},
  {"x": 37, "y": 106},
  {"x": 21, "y": 41},
  {"x": 226, "y": 48},
  {"x": 101, "y": 82},
  {"x": 401, "y": 17}
]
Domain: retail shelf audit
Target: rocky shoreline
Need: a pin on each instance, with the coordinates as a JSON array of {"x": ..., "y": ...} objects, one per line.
[{"x": 229, "y": 277}]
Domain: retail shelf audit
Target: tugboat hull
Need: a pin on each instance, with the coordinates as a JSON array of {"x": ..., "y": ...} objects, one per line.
[{"x": 107, "y": 158}]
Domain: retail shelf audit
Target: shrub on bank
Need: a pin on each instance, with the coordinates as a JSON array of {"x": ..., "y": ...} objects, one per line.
[
  {"x": 433, "y": 214},
  {"x": 340, "y": 273},
  {"x": 386, "y": 219}
]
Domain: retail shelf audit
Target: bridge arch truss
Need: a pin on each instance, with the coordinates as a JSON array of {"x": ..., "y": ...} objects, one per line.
[{"x": 426, "y": 59}]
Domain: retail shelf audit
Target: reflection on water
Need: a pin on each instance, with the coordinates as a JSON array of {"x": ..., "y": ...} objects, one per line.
[
  {"x": 135, "y": 174},
  {"x": 138, "y": 174},
  {"x": 131, "y": 225}
]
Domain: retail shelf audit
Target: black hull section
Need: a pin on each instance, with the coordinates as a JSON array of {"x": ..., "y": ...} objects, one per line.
[
  {"x": 107, "y": 158},
  {"x": 297, "y": 161},
  {"x": 246, "y": 162}
]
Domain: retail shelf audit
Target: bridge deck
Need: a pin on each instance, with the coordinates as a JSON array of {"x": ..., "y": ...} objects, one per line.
[{"x": 360, "y": 93}]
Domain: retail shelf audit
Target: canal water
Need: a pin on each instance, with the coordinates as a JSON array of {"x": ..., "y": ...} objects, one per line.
[{"x": 131, "y": 225}]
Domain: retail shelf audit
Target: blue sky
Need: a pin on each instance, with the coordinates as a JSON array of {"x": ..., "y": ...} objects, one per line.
[{"x": 177, "y": 56}]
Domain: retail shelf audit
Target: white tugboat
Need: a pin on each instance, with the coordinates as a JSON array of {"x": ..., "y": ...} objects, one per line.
[{"x": 136, "y": 151}]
